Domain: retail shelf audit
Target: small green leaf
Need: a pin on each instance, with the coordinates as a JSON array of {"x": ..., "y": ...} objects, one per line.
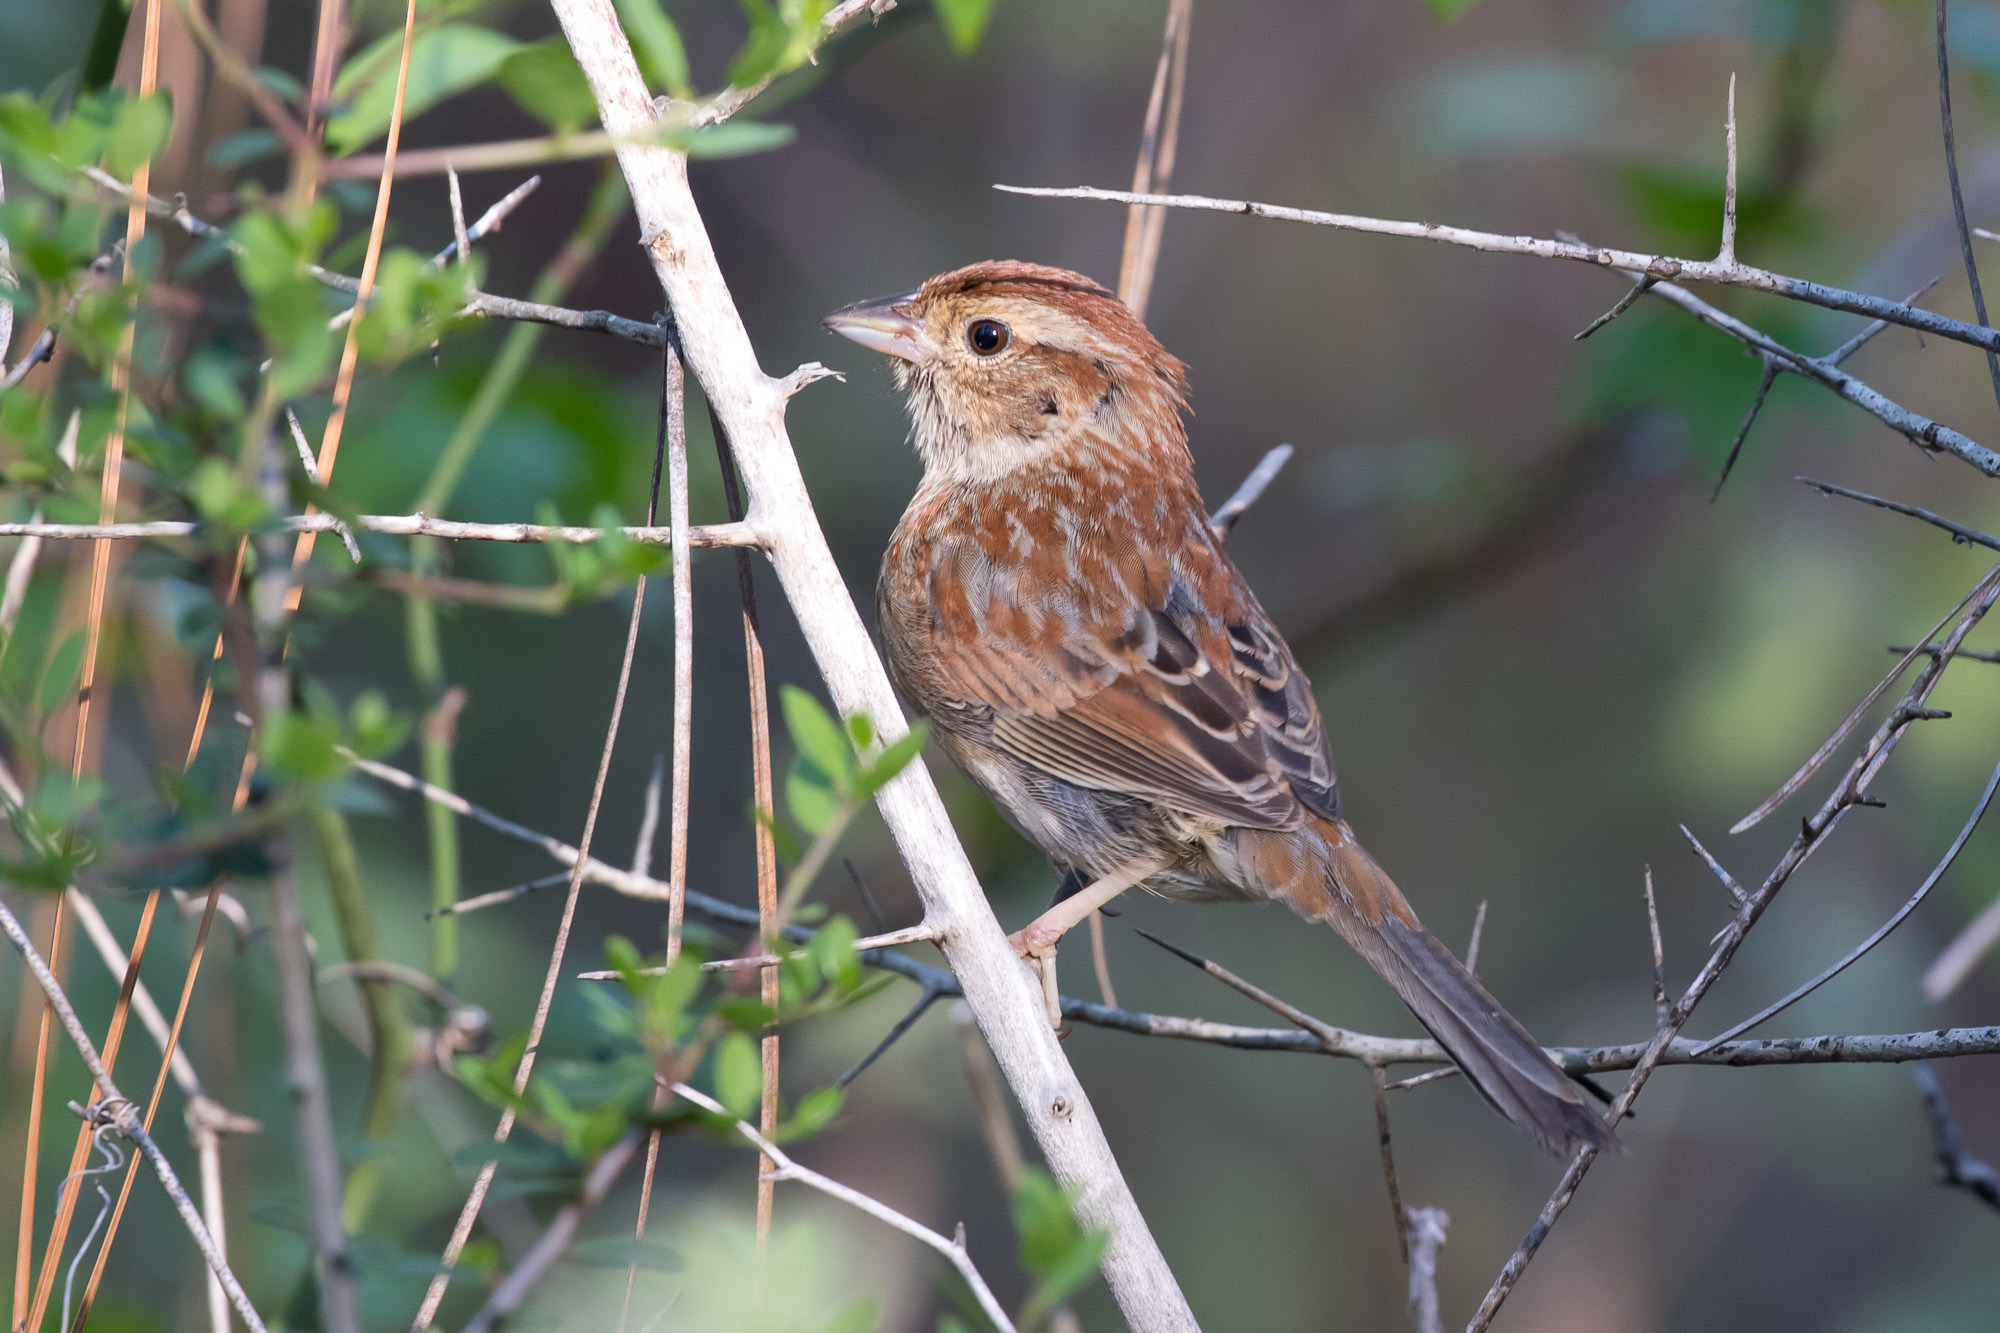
[
  {"x": 136, "y": 134},
  {"x": 895, "y": 757},
  {"x": 732, "y": 138},
  {"x": 965, "y": 22},
  {"x": 783, "y": 840},
  {"x": 546, "y": 80},
  {"x": 811, "y": 799},
  {"x": 742, "y": 1011},
  {"x": 832, "y": 951},
  {"x": 374, "y": 728},
  {"x": 657, "y": 44},
  {"x": 302, "y": 746},
  {"x": 1444, "y": 11},
  {"x": 444, "y": 61},
  {"x": 739, "y": 1075},
  {"x": 815, "y": 733},
  {"x": 816, "y": 1110}
]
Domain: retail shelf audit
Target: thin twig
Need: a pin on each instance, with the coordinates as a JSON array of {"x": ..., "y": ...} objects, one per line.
[
  {"x": 1955, "y": 964},
  {"x": 705, "y": 536},
  {"x": 1663, "y": 267},
  {"x": 1472, "y": 946},
  {"x": 1881, "y": 932},
  {"x": 1660, "y": 1002},
  {"x": 123, "y": 1115},
  {"x": 1377, "y": 1086},
  {"x": 1159, "y": 141},
  {"x": 1958, "y": 198},
  {"x": 1961, "y": 534},
  {"x": 1957, "y": 1167},
  {"x": 1736, "y": 895},
  {"x": 1426, "y": 1238},
  {"x": 1764, "y": 383},
  {"x": 784, "y": 1168},
  {"x": 462, "y": 1229},
  {"x": 1813, "y": 832},
  {"x": 1324, "y": 1039},
  {"x": 1251, "y": 490},
  {"x": 1727, "y": 253}
]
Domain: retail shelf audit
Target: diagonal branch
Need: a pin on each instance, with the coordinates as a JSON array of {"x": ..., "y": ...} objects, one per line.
[{"x": 751, "y": 407}]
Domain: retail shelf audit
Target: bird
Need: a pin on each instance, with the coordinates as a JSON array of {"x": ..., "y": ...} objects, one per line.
[{"x": 1054, "y": 602}]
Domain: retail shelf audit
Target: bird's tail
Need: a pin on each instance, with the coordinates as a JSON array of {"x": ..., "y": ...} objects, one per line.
[{"x": 1333, "y": 878}]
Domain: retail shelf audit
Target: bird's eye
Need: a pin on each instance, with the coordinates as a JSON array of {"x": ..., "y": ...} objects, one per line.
[{"x": 988, "y": 337}]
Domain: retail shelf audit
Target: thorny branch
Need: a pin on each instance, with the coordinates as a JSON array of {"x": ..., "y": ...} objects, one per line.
[
  {"x": 1324, "y": 1039},
  {"x": 121, "y": 1114},
  {"x": 1663, "y": 271}
]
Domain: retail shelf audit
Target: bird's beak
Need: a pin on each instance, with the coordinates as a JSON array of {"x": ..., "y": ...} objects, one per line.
[{"x": 883, "y": 325}]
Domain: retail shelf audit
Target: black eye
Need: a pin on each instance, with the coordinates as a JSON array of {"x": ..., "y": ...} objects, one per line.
[{"x": 988, "y": 337}]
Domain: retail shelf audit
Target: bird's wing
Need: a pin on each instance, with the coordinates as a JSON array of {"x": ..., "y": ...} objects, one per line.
[{"x": 1147, "y": 675}]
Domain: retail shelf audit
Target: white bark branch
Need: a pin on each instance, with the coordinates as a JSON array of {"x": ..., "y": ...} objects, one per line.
[{"x": 751, "y": 406}]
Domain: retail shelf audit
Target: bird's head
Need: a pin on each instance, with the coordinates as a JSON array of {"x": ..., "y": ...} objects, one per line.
[{"x": 1005, "y": 364}]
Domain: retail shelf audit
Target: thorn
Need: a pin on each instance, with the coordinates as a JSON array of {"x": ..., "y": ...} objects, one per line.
[
  {"x": 1173, "y": 949},
  {"x": 809, "y": 373}
]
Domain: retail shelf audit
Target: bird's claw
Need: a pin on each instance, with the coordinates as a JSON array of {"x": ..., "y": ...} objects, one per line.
[{"x": 1036, "y": 945}]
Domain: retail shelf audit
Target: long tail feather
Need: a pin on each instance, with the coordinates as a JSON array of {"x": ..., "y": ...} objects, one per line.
[{"x": 1496, "y": 1054}]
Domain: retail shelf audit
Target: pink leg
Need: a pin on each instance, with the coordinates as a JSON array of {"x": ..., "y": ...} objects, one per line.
[{"x": 1036, "y": 942}]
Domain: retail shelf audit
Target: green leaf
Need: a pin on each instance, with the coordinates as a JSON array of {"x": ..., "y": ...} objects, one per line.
[
  {"x": 832, "y": 951},
  {"x": 444, "y": 61},
  {"x": 1054, "y": 1248},
  {"x": 1444, "y": 11},
  {"x": 732, "y": 138},
  {"x": 965, "y": 22},
  {"x": 302, "y": 746},
  {"x": 810, "y": 797},
  {"x": 374, "y": 728},
  {"x": 65, "y": 669},
  {"x": 816, "y": 734},
  {"x": 816, "y": 1110},
  {"x": 739, "y": 1075},
  {"x": 895, "y": 757},
  {"x": 657, "y": 44},
  {"x": 136, "y": 134},
  {"x": 546, "y": 80}
]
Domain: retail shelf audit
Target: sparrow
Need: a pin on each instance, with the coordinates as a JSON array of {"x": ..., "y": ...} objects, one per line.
[{"x": 1054, "y": 602}]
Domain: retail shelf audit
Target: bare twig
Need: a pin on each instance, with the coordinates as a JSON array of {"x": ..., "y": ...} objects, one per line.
[
  {"x": 751, "y": 407},
  {"x": 1661, "y": 267},
  {"x": 1764, "y": 383},
  {"x": 1963, "y": 953},
  {"x": 561, "y": 1234},
  {"x": 1251, "y": 490},
  {"x": 1159, "y": 142},
  {"x": 1727, "y": 253},
  {"x": 462, "y": 1229},
  {"x": 1812, "y": 834},
  {"x": 1472, "y": 945},
  {"x": 1660, "y": 1002},
  {"x": 1957, "y": 1166},
  {"x": 1881, "y": 932},
  {"x": 402, "y": 525},
  {"x": 1957, "y": 198},
  {"x": 784, "y": 1168},
  {"x": 1378, "y": 1087},
  {"x": 1426, "y": 1238},
  {"x": 1961, "y": 534},
  {"x": 1736, "y": 895},
  {"x": 116, "y": 1110}
]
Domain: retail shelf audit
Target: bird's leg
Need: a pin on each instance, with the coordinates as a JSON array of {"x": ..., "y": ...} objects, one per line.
[{"x": 1036, "y": 941}]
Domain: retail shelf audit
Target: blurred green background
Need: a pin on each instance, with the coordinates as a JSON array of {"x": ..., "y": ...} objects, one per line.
[{"x": 1538, "y": 644}]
